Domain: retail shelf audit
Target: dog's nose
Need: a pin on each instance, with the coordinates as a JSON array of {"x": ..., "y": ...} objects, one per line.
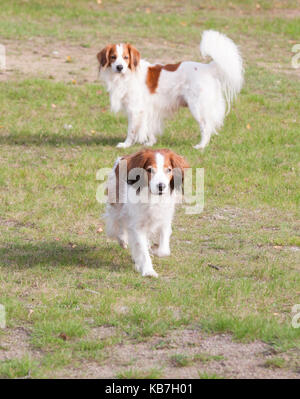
[
  {"x": 119, "y": 68},
  {"x": 161, "y": 187}
]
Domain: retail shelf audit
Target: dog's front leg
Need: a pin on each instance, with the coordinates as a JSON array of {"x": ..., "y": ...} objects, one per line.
[
  {"x": 164, "y": 242},
  {"x": 133, "y": 126},
  {"x": 138, "y": 244}
]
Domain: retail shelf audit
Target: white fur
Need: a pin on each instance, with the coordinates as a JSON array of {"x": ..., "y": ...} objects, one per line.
[
  {"x": 204, "y": 88},
  {"x": 137, "y": 223}
]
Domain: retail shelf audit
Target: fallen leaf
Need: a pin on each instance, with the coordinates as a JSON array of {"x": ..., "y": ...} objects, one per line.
[
  {"x": 53, "y": 105},
  {"x": 99, "y": 230},
  {"x": 99, "y": 1},
  {"x": 80, "y": 286},
  {"x": 69, "y": 59},
  {"x": 248, "y": 126},
  {"x": 183, "y": 23},
  {"x": 74, "y": 81},
  {"x": 148, "y": 11},
  {"x": 93, "y": 131},
  {"x": 63, "y": 336},
  {"x": 258, "y": 7},
  {"x": 277, "y": 246}
]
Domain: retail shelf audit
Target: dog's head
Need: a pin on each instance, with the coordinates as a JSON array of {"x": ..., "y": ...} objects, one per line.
[
  {"x": 162, "y": 170},
  {"x": 119, "y": 57}
]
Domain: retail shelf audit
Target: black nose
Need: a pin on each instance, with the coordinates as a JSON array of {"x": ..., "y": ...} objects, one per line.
[
  {"x": 161, "y": 187},
  {"x": 119, "y": 68}
]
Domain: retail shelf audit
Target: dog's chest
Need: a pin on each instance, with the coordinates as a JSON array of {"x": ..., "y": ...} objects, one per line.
[{"x": 153, "y": 215}]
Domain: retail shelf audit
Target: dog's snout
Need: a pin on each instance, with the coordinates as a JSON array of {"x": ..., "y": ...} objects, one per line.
[
  {"x": 119, "y": 68},
  {"x": 161, "y": 187}
]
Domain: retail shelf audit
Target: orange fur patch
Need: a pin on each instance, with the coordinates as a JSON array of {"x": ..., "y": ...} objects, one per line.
[{"x": 154, "y": 73}]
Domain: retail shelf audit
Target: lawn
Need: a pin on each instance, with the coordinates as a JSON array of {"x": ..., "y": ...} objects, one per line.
[{"x": 222, "y": 305}]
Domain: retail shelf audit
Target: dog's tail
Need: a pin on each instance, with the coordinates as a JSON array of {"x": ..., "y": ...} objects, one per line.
[{"x": 228, "y": 61}]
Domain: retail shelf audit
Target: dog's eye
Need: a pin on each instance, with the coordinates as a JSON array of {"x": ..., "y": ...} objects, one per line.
[
  {"x": 113, "y": 57},
  {"x": 150, "y": 169},
  {"x": 168, "y": 170},
  {"x": 126, "y": 57}
]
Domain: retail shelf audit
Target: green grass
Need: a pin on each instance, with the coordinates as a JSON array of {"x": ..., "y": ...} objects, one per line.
[
  {"x": 206, "y": 357},
  {"x": 17, "y": 368},
  {"x": 208, "y": 376},
  {"x": 137, "y": 374},
  {"x": 180, "y": 360},
  {"x": 58, "y": 276},
  {"x": 275, "y": 362}
]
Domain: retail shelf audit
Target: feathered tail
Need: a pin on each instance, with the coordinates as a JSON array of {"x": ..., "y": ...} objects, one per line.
[{"x": 228, "y": 61}]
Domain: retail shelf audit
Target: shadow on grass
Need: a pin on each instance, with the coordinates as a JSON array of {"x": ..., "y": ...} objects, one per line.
[
  {"x": 55, "y": 254},
  {"x": 60, "y": 140}
]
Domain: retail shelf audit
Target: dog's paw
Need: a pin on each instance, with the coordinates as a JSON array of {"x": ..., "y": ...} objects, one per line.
[
  {"x": 123, "y": 243},
  {"x": 160, "y": 252},
  {"x": 123, "y": 145},
  {"x": 149, "y": 273},
  {"x": 198, "y": 147},
  {"x": 149, "y": 143}
]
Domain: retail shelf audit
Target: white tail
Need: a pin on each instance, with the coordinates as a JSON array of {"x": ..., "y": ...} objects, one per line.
[{"x": 228, "y": 60}]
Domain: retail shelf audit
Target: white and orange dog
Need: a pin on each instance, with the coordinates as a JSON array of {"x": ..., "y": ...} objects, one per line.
[
  {"x": 142, "y": 192},
  {"x": 150, "y": 93}
]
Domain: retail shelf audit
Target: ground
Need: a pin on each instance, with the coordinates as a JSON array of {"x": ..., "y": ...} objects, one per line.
[{"x": 222, "y": 305}]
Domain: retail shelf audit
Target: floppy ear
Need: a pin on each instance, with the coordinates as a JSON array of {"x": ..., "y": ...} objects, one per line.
[
  {"x": 136, "y": 160},
  {"x": 103, "y": 56},
  {"x": 134, "y": 57},
  {"x": 179, "y": 164}
]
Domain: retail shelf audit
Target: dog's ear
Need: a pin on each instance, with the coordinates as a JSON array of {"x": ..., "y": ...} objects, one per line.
[
  {"x": 137, "y": 160},
  {"x": 103, "y": 56},
  {"x": 134, "y": 57},
  {"x": 178, "y": 164}
]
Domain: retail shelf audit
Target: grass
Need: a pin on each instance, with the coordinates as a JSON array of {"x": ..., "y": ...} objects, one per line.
[
  {"x": 60, "y": 278},
  {"x": 275, "y": 362},
  {"x": 17, "y": 368},
  {"x": 137, "y": 374},
  {"x": 209, "y": 376},
  {"x": 179, "y": 360}
]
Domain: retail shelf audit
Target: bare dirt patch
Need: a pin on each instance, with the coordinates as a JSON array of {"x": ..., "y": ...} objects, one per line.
[
  {"x": 15, "y": 344},
  {"x": 58, "y": 61},
  {"x": 77, "y": 63},
  {"x": 237, "y": 360}
]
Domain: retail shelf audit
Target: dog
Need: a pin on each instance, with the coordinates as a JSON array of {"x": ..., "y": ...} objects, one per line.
[
  {"x": 150, "y": 93},
  {"x": 142, "y": 190}
]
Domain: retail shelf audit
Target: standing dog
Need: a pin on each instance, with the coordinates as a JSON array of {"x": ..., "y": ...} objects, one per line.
[
  {"x": 142, "y": 191},
  {"x": 149, "y": 93}
]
